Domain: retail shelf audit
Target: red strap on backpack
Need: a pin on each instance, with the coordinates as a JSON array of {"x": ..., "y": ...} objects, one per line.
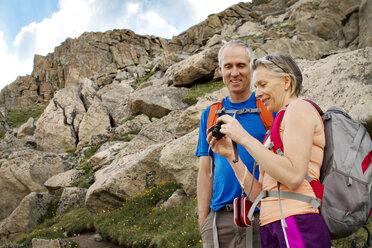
[{"x": 212, "y": 117}]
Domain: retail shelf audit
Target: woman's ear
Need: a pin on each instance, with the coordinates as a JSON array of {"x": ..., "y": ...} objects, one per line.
[{"x": 287, "y": 82}]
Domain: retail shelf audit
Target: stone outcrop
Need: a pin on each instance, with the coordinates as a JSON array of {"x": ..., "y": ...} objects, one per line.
[
  {"x": 24, "y": 171},
  {"x": 157, "y": 101},
  {"x": 27, "y": 128},
  {"x": 25, "y": 217},
  {"x": 342, "y": 79},
  {"x": 63, "y": 180},
  {"x": 125, "y": 177},
  {"x": 56, "y": 129},
  {"x": 71, "y": 196},
  {"x": 365, "y": 22},
  {"x": 194, "y": 68},
  {"x": 178, "y": 158}
]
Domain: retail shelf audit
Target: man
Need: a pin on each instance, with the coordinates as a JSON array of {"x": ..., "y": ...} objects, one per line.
[{"x": 216, "y": 193}]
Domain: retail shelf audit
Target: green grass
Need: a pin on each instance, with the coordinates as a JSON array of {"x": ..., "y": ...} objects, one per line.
[
  {"x": 17, "y": 116},
  {"x": 199, "y": 90},
  {"x": 76, "y": 220},
  {"x": 357, "y": 239},
  {"x": 141, "y": 223},
  {"x": 138, "y": 223}
]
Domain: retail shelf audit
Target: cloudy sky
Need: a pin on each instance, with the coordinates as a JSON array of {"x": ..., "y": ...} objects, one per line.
[{"x": 29, "y": 27}]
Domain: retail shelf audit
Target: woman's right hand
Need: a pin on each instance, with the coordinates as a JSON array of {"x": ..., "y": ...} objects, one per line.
[{"x": 222, "y": 147}]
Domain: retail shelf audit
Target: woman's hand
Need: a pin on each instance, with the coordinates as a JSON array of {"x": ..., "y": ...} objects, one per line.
[
  {"x": 222, "y": 147},
  {"x": 233, "y": 129}
]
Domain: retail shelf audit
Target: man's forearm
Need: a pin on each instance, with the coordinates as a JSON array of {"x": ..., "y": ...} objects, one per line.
[{"x": 204, "y": 189}]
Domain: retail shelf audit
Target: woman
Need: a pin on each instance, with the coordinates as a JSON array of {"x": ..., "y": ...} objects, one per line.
[{"x": 278, "y": 83}]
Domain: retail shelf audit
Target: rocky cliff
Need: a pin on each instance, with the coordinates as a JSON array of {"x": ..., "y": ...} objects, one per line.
[{"x": 122, "y": 93}]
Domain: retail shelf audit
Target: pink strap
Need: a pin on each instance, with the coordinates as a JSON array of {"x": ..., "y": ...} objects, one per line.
[
  {"x": 275, "y": 134},
  {"x": 366, "y": 162}
]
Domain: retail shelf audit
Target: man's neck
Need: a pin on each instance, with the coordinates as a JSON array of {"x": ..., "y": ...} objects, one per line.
[{"x": 237, "y": 98}]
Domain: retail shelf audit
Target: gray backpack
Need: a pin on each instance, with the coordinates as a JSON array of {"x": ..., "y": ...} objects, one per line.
[
  {"x": 344, "y": 193},
  {"x": 346, "y": 174}
]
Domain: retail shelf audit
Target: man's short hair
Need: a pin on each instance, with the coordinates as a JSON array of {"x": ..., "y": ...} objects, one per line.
[{"x": 236, "y": 43}]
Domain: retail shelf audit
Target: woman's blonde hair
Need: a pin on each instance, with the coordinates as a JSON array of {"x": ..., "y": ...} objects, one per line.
[{"x": 281, "y": 65}]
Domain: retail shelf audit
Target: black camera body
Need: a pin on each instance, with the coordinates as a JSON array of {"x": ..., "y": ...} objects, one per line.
[{"x": 215, "y": 129}]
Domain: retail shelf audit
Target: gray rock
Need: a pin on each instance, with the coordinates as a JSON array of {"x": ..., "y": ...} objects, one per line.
[
  {"x": 157, "y": 101},
  {"x": 25, "y": 217},
  {"x": 23, "y": 171},
  {"x": 71, "y": 196}
]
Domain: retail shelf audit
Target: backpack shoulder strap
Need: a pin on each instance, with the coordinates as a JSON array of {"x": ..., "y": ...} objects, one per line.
[
  {"x": 266, "y": 116},
  {"x": 212, "y": 117},
  {"x": 275, "y": 134},
  {"x": 275, "y": 139}
]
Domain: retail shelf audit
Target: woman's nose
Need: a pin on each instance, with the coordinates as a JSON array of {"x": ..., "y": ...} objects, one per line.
[{"x": 258, "y": 93}]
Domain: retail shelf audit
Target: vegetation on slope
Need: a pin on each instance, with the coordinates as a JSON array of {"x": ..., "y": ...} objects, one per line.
[{"x": 17, "y": 116}]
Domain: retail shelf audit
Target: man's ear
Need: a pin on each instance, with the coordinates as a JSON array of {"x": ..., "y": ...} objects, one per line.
[{"x": 220, "y": 68}]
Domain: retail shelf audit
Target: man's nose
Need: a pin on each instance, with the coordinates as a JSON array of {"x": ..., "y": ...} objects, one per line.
[{"x": 234, "y": 71}]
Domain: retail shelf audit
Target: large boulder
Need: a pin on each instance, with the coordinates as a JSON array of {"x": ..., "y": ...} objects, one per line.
[
  {"x": 71, "y": 196},
  {"x": 344, "y": 80},
  {"x": 196, "y": 67},
  {"x": 63, "y": 180},
  {"x": 27, "y": 128},
  {"x": 57, "y": 127},
  {"x": 126, "y": 177},
  {"x": 157, "y": 101},
  {"x": 25, "y": 217},
  {"x": 26, "y": 170},
  {"x": 115, "y": 98},
  {"x": 296, "y": 48},
  {"x": 106, "y": 154},
  {"x": 95, "y": 122},
  {"x": 365, "y": 23},
  {"x": 159, "y": 131},
  {"x": 133, "y": 125},
  {"x": 178, "y": 158}
]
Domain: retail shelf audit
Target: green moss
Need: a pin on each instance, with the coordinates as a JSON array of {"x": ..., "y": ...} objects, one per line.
[
  {"x": 127, "y": 119},
  {"x": 2, "y": 134},
  {"x": 144, "y": 79},
  {"x": 199, "y": 90},
  {"x": 252, "y": 38},
  {"x": 288, "y": 26},
  {"x": 126, "y": 137},
  {"x": 17, "y": 116},
  {"x": 71, "y": 150}
]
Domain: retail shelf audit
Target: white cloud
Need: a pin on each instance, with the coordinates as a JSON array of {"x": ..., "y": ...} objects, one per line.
[
  {"x": 10, "y": 66},
  {"x": 164, "y": 18}
]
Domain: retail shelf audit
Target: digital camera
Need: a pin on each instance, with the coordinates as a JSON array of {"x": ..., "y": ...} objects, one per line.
[{"x": 215, "y": 129}]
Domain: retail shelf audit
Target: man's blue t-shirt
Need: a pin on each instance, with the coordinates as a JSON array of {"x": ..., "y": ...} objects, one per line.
[{"x": 226, "y": 187}]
